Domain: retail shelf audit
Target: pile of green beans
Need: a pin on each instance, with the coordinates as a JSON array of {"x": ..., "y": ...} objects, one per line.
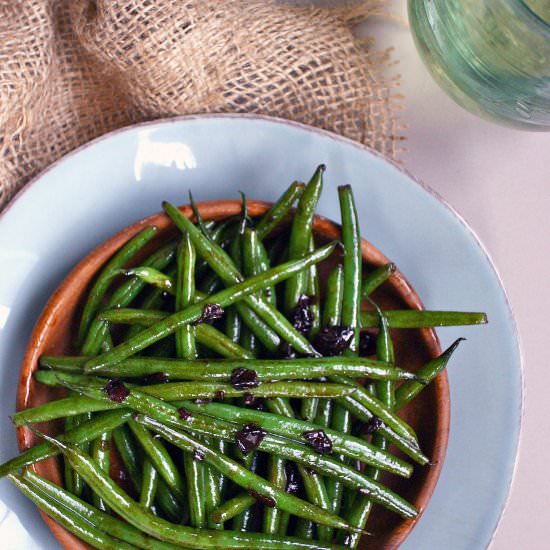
[{"x": 233, "y": 384}]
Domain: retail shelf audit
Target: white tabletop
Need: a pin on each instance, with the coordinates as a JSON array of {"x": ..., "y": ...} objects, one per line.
[{"x": 499, "y": 180}]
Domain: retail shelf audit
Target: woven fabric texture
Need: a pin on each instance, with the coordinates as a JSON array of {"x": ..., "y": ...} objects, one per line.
[{"x": 71, "y": 70}]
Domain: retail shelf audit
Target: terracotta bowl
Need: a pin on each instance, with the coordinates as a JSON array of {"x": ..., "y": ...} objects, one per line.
[{"x": 428, "y": 414}]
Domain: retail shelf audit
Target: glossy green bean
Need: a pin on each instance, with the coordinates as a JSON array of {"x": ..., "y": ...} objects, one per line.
[
  {"x": 192, "y": 313},
  {"x": 114, "y": 527},
  {"x": 377, "y": 408},
  {"x": 276, "y": 475},
  {"x": 153, "y": 525},
  {"x": 157, "y": 453},
  {"x": 122, "y": 297},
  {"x": 384, "y": 390},
  {"x": 233, "y": 324},
  {"x": 151, "y": 276},
  {"x": 194, "y": 473},
  {"x": 347, "y": 445},
  {"x": 101, "y": 454},
  {"x": 70, "y": 520},
  {"x": 224, "y": 266},
  {"x": 424, "y": 319},
  {"x": 256, "y": 261},
  {"x": 104, "y": 279},
  {"x": 129, "y": 452},
  {"x": 244, "y": 478},
  {"x": 405, "y": 444},
  {"x": 280, "y": 210},
  {"x": 300, "y": 235},
  {"x": 233, "y": 507},
  {"x": 409, "y": 390},
  {"x": 332, "y": 309},
  {"x": 375, "y": 278},
  {"x": 148, "y": 485},
  {"x": 221, "y": 369}
]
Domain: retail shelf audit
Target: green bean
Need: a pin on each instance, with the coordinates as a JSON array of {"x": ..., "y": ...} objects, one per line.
[
  {"x": 104, "y": 279},
  {"x": 233, "y": 324},
  {"x": 351, "y": 238},
  {"x": 233, "y": 507},
  {"x": 309, "y": 459},
  {"x": 409, "y": 390},
  {"x": 244, "y": 477},
  {"x": 101, "y": 454},
  {"x": 151, "y": 276},
  {"x": 332, "y": 311},
  {"x": 129, "y": 453},
  {"x": 205, "y": 335},
  {"x": 72, "y": 521},
  {"x": 153, "y": 525},
  {"x": 276, "y": 475},
  {"x": 149, "y": 485},
  {"x": 199, "y": 221},
  {"x": 61, "y": 408},
  {"x": 72, "y": 482},
  {"x": 186, "y": 349},
  {"x": 123, "y": 296},
  {"x": 244, "y": 520},
  {"x": 375, "y": 278},
  {"x": 404, "y": 443},
  {"x": 114, "y": 527},
  {"x": 255, "y": 260},
  {"x": 424, "y": 319},
  {"x": 377, "y": 408},
  {"x": 222, "y": 264},
  {"x": 348, "y": 445},
  {"x": 212, "y": 495},
  {"x": 221, "y": 369},
  {"x": 384, "y": 390},
  {"x": 351, "y": 305},
  {"x": 280, "y": 210},
  {"x": 304, "y": 529},
  {"x": 192, "y": 313},
  {"x": 194, "y": 473},
  {"x": 300, "y": 235},
  {"x": 160, "y": 458}
]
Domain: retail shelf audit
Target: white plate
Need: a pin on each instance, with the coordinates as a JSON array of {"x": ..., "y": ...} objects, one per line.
[{"x": 118, "y": 179}]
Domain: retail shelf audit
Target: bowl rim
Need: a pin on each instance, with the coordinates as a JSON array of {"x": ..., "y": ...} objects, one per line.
[{"x": 256, "y": 207}]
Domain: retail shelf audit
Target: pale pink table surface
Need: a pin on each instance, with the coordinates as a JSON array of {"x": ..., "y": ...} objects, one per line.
[{"x": 499, "y": 180}]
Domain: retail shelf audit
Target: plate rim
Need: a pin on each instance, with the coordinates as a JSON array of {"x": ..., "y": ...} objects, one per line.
[{"x": 165, "y": 121}]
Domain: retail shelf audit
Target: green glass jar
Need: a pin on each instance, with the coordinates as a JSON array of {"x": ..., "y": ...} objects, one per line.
[{"x": 491, "y": 56}]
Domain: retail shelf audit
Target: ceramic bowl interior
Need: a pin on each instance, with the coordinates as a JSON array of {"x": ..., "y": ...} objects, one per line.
[{"x": 428, "y": 414}]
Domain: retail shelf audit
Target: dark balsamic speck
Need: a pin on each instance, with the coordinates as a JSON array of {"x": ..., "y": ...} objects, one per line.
[
  {"x": 333, "y": 340},
  {"x": 184, "y": 413},
  {"x": 301, "y": 316},
  {"x": 198, "y": 455},
  {"x": 249, "y": 437},
  {"x": 319, "y": 441},
  {"x": 367, "y": 344},
  {"x": 244, "y": 379},
  {"x": 116, "y": 390},
  {"x": 263, "y": 499},
  {"x": 210, "y": 313},
  {"x": 373, "y": 425}
]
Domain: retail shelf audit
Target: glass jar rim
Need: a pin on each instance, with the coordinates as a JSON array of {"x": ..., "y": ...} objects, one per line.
[{"x": 533, "y": 15}]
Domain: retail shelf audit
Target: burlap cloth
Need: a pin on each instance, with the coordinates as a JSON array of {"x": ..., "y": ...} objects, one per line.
[{"x": 71, "y": 70}]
